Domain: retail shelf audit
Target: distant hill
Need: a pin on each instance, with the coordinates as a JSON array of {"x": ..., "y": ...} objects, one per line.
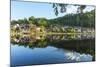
[{"x": 86, "y": 19}]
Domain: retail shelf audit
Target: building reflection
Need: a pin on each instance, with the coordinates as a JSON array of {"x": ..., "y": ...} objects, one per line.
[
  {"x": 33, "y": 38},
  {"x": 79, "y": 43}
]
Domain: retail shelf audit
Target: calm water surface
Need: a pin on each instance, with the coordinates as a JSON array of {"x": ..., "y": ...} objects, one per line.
[{"x": 28, "y": 50}]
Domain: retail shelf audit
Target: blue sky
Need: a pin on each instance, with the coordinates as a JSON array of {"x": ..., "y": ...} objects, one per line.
[{"x": 20, "y": 10}]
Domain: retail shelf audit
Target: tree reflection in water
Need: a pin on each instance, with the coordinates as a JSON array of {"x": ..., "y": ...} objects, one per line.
[{"x": 78, "y": 43}]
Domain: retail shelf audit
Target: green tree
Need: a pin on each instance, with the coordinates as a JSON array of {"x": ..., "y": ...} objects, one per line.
[
  {"x": 42, "y": 22},
  {"x": 31, "y": 20},
  {"x": 13, "y": 22},
  {"x": 20, "y": 21},
  {"x": 25, "y": 21}
]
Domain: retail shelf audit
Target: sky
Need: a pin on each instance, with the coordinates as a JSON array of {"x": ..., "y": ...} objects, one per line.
[{"x": 21, "y": 10}]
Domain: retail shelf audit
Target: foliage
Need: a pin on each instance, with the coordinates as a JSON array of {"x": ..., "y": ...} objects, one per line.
[
  {"x": 42, "y": 22},
  {"x": 86, "y": 19},
  {"x": 63, "y": 8}
]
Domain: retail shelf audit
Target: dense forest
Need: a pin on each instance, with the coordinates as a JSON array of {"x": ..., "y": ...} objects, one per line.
[{"x": 84, "y": 20}]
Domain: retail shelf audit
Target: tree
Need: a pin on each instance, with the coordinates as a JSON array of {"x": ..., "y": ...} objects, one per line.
[
  {"x": 32, "y": 20},
  {"x": 42, "y": 22},
  {"x": 80, "y": 11},
  {"x": 81, "y": 8},
  {"x": 62, "y": 8},
  {"x": 20, "y": 21},
  {"x": 13, "y": 22},
  {"x": 25, "y": 21}
]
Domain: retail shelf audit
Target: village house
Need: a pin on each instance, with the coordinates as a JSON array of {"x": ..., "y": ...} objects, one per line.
[{"x": 26, "y": 28}]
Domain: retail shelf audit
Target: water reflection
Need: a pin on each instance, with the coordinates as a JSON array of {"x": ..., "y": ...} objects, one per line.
[
  {"x": 33, "y": 38},
  {"x": 47, "y": 49}
]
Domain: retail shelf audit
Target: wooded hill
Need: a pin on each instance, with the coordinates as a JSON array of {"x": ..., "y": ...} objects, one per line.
[
  {"x": 83, "y": 20},
  {"x": 86, "y": 19}
]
